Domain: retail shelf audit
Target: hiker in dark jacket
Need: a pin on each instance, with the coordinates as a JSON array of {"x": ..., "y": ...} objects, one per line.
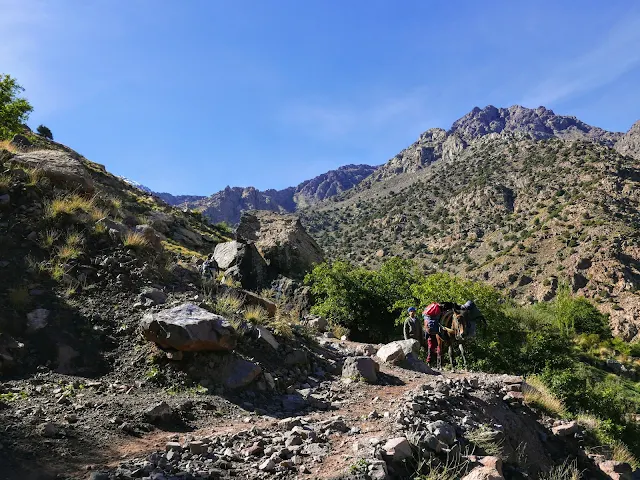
[{"x": 413, "y": 327}]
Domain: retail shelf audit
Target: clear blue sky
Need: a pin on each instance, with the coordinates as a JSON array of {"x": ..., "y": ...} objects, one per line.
[{"x": 191, "y": 96}]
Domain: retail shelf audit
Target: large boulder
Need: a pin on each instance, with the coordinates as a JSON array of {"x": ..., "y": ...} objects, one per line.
[
  {"x": 356, "y": 368},
  {"x": 282, "y": 241},
  {"x": 396, "y": 352},
  {"x": 61, "y": 167},
  {"x": 188, "y": 327},
  {"x": 251, "y": 267}
]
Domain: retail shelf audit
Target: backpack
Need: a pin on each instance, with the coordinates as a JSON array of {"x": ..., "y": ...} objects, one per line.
[{"x": 432, "y": 324}]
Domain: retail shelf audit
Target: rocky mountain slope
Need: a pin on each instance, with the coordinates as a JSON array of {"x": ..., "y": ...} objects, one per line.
[
  {"x": 524, "y": 199},
  {"x": 228, "y": 204}
]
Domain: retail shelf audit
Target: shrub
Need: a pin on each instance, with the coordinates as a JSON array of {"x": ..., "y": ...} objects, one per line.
[
  {"x": 68, "y": 205},
  {"x": 44, "y": 132},
  {"x": 14, "y": 111}
]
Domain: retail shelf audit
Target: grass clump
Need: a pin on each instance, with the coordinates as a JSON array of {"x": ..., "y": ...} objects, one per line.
[
  {"x": 487, "y": 439},
  {"x": 228, "y": 304},
  {"x": 5, "y": 183},
  {"x": 567, "y": 471},
  {"x": 537, "y": 394},
  {"x": 69, "y": 205},
  {"x": 256, "y": 314},
  {"x": 48, "y": 238},
  {"x": 135, "y": 240}
]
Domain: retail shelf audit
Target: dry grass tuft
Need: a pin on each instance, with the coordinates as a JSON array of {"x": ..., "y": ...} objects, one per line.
[
  {"x": 487, "y": 439},
  {"x": 338, "y": 330},
  {"x": 5, "y": 183},
  {"x": 69, "y": 205},
  {"x": 256, "y": 314},
  {"x": 621, "y": 453},
  {"x": 7, "y": 145},
  {"x": 135, "y": 240},
  {"x": 537, "y": 394},
  {"x": 228, "y": 304},
  {"x": 567, "y": 471}
]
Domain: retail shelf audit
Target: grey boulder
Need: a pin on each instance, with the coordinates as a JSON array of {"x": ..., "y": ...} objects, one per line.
[
  {"x": 356, "y": 368},
  {"x": 61, "y": 167},
  {"x": 188, "y": 327}
]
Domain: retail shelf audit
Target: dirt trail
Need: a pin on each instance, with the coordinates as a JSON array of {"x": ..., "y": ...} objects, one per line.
[{"x": 360, "y": 401}]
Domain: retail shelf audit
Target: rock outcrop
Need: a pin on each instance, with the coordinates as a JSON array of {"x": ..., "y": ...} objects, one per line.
[
  {"x": 629, "y": 143},
  {"x": 188, "y": 327},
  {"x": 61, "y": 167},
  {"x": 282, "y": 241}
]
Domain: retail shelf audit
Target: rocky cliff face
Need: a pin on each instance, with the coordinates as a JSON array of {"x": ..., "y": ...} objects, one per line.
[
  {"x": 629, "y": 143},
  {"x": 524, "y": 199},
  {"x": 227, "y": 205}
]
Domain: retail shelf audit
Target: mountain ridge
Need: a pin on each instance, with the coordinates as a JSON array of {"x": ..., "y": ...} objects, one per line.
[{"x": 521, "y": 198}]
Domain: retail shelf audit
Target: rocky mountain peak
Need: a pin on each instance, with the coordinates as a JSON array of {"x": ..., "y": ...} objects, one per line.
[{"x": 540, "y": 123}]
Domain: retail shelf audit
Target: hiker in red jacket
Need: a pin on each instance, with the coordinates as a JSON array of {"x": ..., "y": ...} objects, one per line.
[{"x": 431, "y": 317}]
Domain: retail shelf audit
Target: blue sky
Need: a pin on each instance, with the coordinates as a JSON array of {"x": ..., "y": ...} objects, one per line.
[{"x": 192, "y": 96}]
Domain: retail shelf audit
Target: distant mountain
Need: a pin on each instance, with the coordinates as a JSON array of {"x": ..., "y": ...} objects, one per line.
[
  {"x": 139, "y": 186},
  {"x": 227, "y": 205},
  {"x": 524, "y": 199}
]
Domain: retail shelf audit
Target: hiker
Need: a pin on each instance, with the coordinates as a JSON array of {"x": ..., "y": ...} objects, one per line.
[
  {"x": 431, "y": 317},
  {"x": 413, "y": 327}
]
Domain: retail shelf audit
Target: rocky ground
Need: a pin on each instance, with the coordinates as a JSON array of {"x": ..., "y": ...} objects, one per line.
[{"x": 322, "y": 426}]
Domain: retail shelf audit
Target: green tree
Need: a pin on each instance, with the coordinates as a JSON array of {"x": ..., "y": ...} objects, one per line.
[
  {"x": 44, "y": 132},
  {"x": 14, "y": 110}
]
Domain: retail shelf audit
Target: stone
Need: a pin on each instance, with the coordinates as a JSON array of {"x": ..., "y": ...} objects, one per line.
[
  {"x": 254, "y": 450},
  {"x": 267, "y": 337},
  {"x": 37, "y": 319},
  {"x": 50, "y": 430},
  {"x": 239, "y": 373},
  {"x": 317, "y": 323},
  {"x": 566, "y": 429},
  {"x": 158, "y": 413},
  {"x": 282, "y": 241},
  {"x": 366, "y": 349},
  {"x": 396, "y": 352},
  {"x": 173, "y": 446},
  {"x": 21, "y": 141},
  {"x": 293, "y": 402},
  {"x": 63, "y": 168},
  {"x": 267, "y": 466},
  {"x": 398, "y": 449},
  {"x": 188, "y": 327},
  {"x": 490, "y": 468},
  {"x": 197, "y": 447},
  {"x": 443, "y": 431},
  {"x": 157, "y": 296},
  {"x": 356, "y": 368},
  {"x": 616, "y": 470},
  {"x": 150, "y": 235},
  {"x": 5, "y": 199},
  {"x": 296, "y": 357},
  {"x": 251, "y": 270}
]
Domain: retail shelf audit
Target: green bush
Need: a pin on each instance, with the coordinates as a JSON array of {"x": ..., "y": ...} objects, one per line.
[
  {"x": 44, "y": 132},
  {"x": 14, "y": 111}
]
